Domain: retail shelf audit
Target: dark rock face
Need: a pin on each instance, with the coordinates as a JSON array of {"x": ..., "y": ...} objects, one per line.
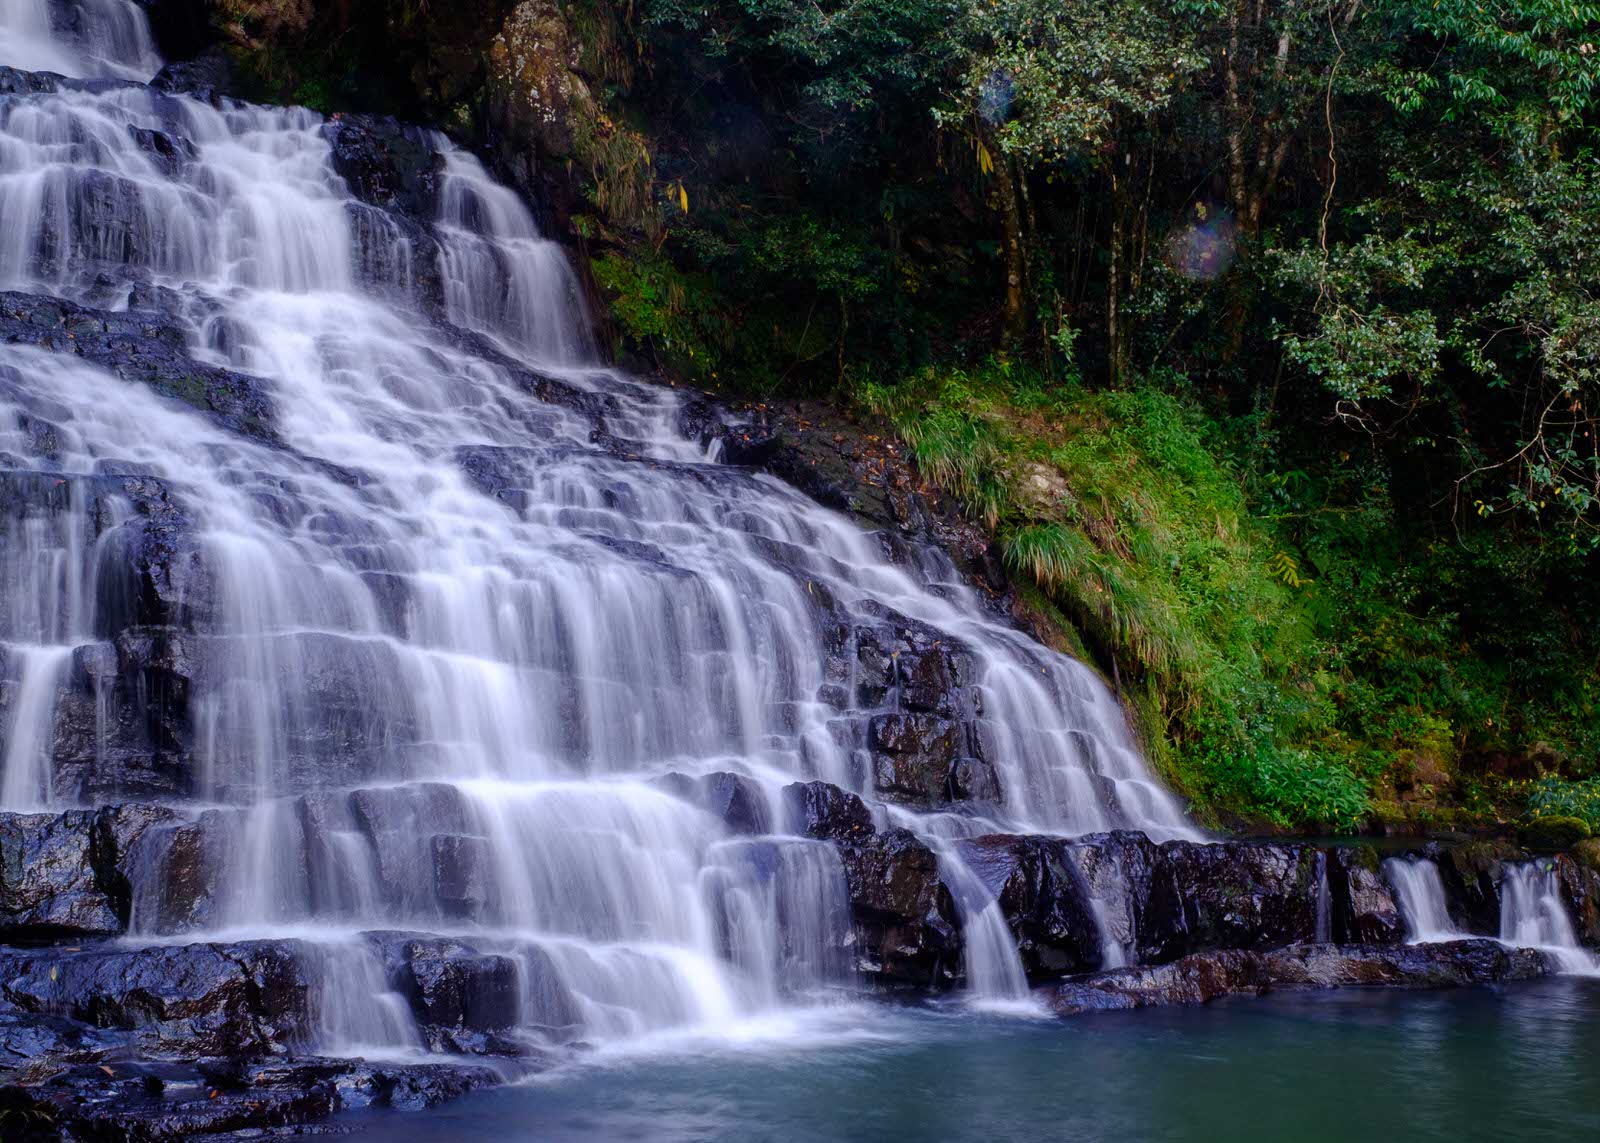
[
  {"x": 460, "y": 997},
  {"x": 65, "y": 875},
  {"x": 1196, "y": 979},
  {"x": 1472, "y": 875},
  {"x": 907, "y": 933},
  {"x": 733, "y": 799},
  {"x": 1045, "y": 899},
  {"x": 1203, "y": 977},
  {"x": 386, "y": 164},
  {"x": 1456, "y": 964},
  {"x": 143, "y": 346},
  {"x": 913, "y": 756},
  {"x": 1228, "y": 895},
  {"x": 153, "y": 1103},
  {"x": 1364, "y": 910},
  {"x": 1580, "y": 888},
  {"x": 178, "y": 1002},
  {"x": 824, "y": 811}
]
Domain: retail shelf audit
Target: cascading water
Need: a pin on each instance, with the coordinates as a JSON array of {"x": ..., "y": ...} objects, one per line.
[
  {"x": 444, "y": 640},
  {"x": 1533, "y": 915},
  {"x": 1421, "y": 898}
]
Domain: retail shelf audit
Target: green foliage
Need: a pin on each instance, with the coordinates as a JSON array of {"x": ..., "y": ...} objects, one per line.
[
  {"x": 1561, "y": 800},
  {"x": 1297, "y": 424},
  {"x": 1119, "y": 509}
]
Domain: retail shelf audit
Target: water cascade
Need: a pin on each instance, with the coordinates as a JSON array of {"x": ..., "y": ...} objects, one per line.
[
  {"x": 1421, "y": 898},
  {"x": 1324, "y": 930},
  {"x": 447, "y": 616},
  {"x": 1533, "y": 915}
]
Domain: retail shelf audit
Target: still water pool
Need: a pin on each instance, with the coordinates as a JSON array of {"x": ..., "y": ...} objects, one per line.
[{"x": 1519, "y": 1063}]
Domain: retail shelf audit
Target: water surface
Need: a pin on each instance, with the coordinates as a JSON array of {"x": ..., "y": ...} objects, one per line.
[{"x": 1510, "y": 1063}]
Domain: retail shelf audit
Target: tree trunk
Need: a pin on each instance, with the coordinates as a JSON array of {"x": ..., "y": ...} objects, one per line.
[{"x": 1015, "y": 324}]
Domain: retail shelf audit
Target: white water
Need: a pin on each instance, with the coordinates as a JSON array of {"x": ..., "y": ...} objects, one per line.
[
  {"x": 424, "y": 697},
  {"x": 1533, "y": 915},
  {"x": 1421, "y": 899}
]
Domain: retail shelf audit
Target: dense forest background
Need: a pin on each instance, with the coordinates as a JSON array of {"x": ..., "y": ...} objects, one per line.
[{"x": 1264, "y": 334}]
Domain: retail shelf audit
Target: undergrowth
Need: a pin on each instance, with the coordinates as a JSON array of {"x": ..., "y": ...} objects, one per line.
[{"x": 1295, "y": 677}]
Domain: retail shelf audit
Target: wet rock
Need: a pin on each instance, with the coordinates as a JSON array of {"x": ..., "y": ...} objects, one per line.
[
  {"x": 398, "y": 822},
  {"x": 1453, "y": 964},
  {"x": 412, "y": 1087},
  {"x": 142, "y": 347},
  {"x": 386, "y": 164},
  {"x": 913, "y": 757},
  {"x": 454, "y": 990},
  {"x": 1363, "y": 909},
  {"x": 733, "y": 799},
  {"x": 177, "y": 874},
  {"x": 169, "y": 153},
  {"x": 1202, "y": 977},
  {"x": 178, "y": 1002},
  {"x": 155, "y": 1103},
  {"x": 1472, "y": 875},
  {"x": 822, "y": 810},
  {"x": 1227, "y": 895},
  {"x": 461, "y": 873},
  {"x": 905, "y": 921},
  {"x": 34, "y": 1047},
  {"x": 1045, "y": 900},
  {"x": 122, "y": 727},
  {"x": 1195, "y": 979},
  {"x": 66, "y": 875},
  {"x": 205, "y": 77},
  {"x": 1580, "y": 890},
  {"x": 49, "y": 886},
  {"x": 147, "y": 1104},
  {"x": 14, "y": 81}
]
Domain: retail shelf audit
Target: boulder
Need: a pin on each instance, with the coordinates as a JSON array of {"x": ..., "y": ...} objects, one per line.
[
  {"x": 824, "y": 811},
  {"x": 913, "y": 757},
  {"x": 1452, "y": 964},
  {"x": 1045, "y": 899},
  {"x": 66, "y": 875},
  {"x": 1230, "y": 895},
  {"x": 458, "y": 995},
  {"x": 49, "y": 886},
  {"x": 1549, "y": 834},
  {"x": 537, "y": 100},
  {"x": 1580, "y": 890},
  {"x": 1202, "y": 977},
  {"x": 386, "y": 164},
  {"x": 1363, "y": 910},
  {"x": 1471, "y": 875},
  {"x": 906, "y": 928},
  {"x": 1195, "y": 979},
  {"x": 736, "y": 801},
  {"x": 178, "y": 1002},
  {"x": 462, "y": 872}
]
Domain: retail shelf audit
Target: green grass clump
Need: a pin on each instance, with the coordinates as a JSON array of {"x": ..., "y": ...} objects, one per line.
[{"x": 1114, "y": 505}]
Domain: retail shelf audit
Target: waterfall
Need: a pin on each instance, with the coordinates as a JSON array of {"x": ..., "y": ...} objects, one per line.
[
  {"x": 1324, "y": 930},
  {"x": 445, "y": 602},
  {"x": 1532, "y": 915},
  {"x": 1421, "y": 898}
]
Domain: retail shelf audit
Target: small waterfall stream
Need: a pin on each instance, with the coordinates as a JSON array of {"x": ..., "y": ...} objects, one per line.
[
  {"x": 1420, "y": 894},
  {"x": 1533, "y": 915},
  {"x": 447, "y": 638}
]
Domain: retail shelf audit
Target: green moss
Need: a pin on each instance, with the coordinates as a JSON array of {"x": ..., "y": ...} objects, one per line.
[
  {"x": 1587, "y": 853},
  {"x": 1553, "y": 832}
]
